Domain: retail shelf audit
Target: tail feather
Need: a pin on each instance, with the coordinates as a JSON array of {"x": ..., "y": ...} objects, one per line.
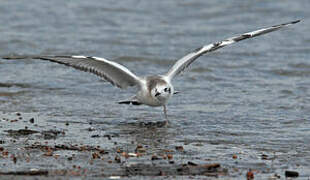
[
  {"x": 133, "y": 101},
  {"x": 130, "y": 102}
]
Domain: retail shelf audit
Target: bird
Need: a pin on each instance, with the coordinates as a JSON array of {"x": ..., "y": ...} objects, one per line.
[{"x": 152, "y": 90}]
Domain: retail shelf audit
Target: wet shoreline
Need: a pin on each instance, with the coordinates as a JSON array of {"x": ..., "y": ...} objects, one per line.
[{"x": 38, "y": 150}]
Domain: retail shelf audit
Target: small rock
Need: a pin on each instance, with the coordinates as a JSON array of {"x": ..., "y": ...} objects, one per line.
[
  {"x": 117, "y": 159},
  {"x": 49, "y": 153},
  {"x": 264, "y": 157},
  {"x": 114, "y": 177},
  {"x": 164, "y": 156},
  {"x": 95, "y": 136},
  {"x": 56, "y": 156},
  {"x": 14, "y": 159},
  {"x": 91, "y": 129},
  {"x": 249, "y": 175},
  {"x": 18, "y": 114},
  {"x": 179, "y": 148},
  {"x": 154, "y": 157},
  {"x": 108, "y": 136},
  {"x": 234, "y": 156},
  {"x": 274, "y": 176},
  {"x": 31, "y": 120},
  {"x": 132, "y": 154},
  {"x": 170, "y": 156},
  {"x": 118, "y": 150},
  {"x": 102, "y": 151},
  {"x": 291, "y": 173},
  {"x": 95, "y": 155},
  {"x": 191, "y": 163},
  {"x": 5, "y": 153},
  {"x": 140, "y": 149}
]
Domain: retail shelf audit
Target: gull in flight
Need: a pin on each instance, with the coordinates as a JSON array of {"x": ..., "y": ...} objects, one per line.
[{"x": 154, "y": 90}]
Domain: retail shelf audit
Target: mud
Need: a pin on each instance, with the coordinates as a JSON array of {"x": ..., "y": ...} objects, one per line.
[{"x": 30, "y": 147}]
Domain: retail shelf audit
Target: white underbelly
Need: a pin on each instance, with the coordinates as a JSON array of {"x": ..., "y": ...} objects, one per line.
[{"x": 148, "y": 100}]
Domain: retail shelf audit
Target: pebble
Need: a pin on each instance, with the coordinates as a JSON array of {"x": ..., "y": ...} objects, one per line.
[
  {"x": 192, "y": 163},
  {"x": 117, "y": 159},
  {"x": 249, "y": 175},
  {"x": 14, "y": 158},
  {"x": 170, "y": 156},
  {"x": 291, "y": 173},
  {"x": 118, "y": 150},
  {"x": 264, "y": 157},
  {"x": 154, "y": 157},
  {"x": 95, "y": 155},
  {"x": 49, "y": 153},
  {"x": 114, "y": 177},
  {"x": 179, "y": 148},
  {"x": 132, "y": 154}
]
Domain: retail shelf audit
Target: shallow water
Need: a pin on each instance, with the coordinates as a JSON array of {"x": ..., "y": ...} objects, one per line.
[{"x": 248, "y": 99}]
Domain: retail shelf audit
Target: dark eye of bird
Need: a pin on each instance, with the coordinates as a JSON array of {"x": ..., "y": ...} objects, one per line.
[{"x": 166, "y": 89}]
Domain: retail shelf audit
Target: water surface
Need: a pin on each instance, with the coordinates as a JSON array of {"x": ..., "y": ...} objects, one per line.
[{"x": 248, "y": 99}]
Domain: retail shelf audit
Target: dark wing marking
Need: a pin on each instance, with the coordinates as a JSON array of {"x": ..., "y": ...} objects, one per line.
[
  {"x": 185, "y": 61},
  {"x": 110, "y": 71}
]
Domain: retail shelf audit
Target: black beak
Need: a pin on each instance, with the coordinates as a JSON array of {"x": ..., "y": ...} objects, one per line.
[{"x": 157, "y": 94}]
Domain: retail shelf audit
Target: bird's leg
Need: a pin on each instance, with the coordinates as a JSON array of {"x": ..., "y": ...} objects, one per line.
[{"x": 165, "y": 112}]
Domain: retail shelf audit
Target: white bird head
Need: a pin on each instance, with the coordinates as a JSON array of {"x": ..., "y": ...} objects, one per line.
[{"x": 162, "y": 92}]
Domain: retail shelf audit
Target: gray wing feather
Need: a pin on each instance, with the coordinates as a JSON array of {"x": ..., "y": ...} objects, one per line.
[
  {"x": 112, "y": 72},
  {"x": 185, "y": 61}
]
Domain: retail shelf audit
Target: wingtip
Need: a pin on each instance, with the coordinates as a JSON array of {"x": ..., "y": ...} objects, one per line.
[
  {"x": 294, "y": 22},
  {"x": 10, "y": 57},
  {"x": 288, "y": 23}
]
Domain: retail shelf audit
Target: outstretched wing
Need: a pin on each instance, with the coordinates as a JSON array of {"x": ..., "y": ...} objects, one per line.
[
  {"x": 185, "y": 61},
  {"x": 113, "y": 72}
]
